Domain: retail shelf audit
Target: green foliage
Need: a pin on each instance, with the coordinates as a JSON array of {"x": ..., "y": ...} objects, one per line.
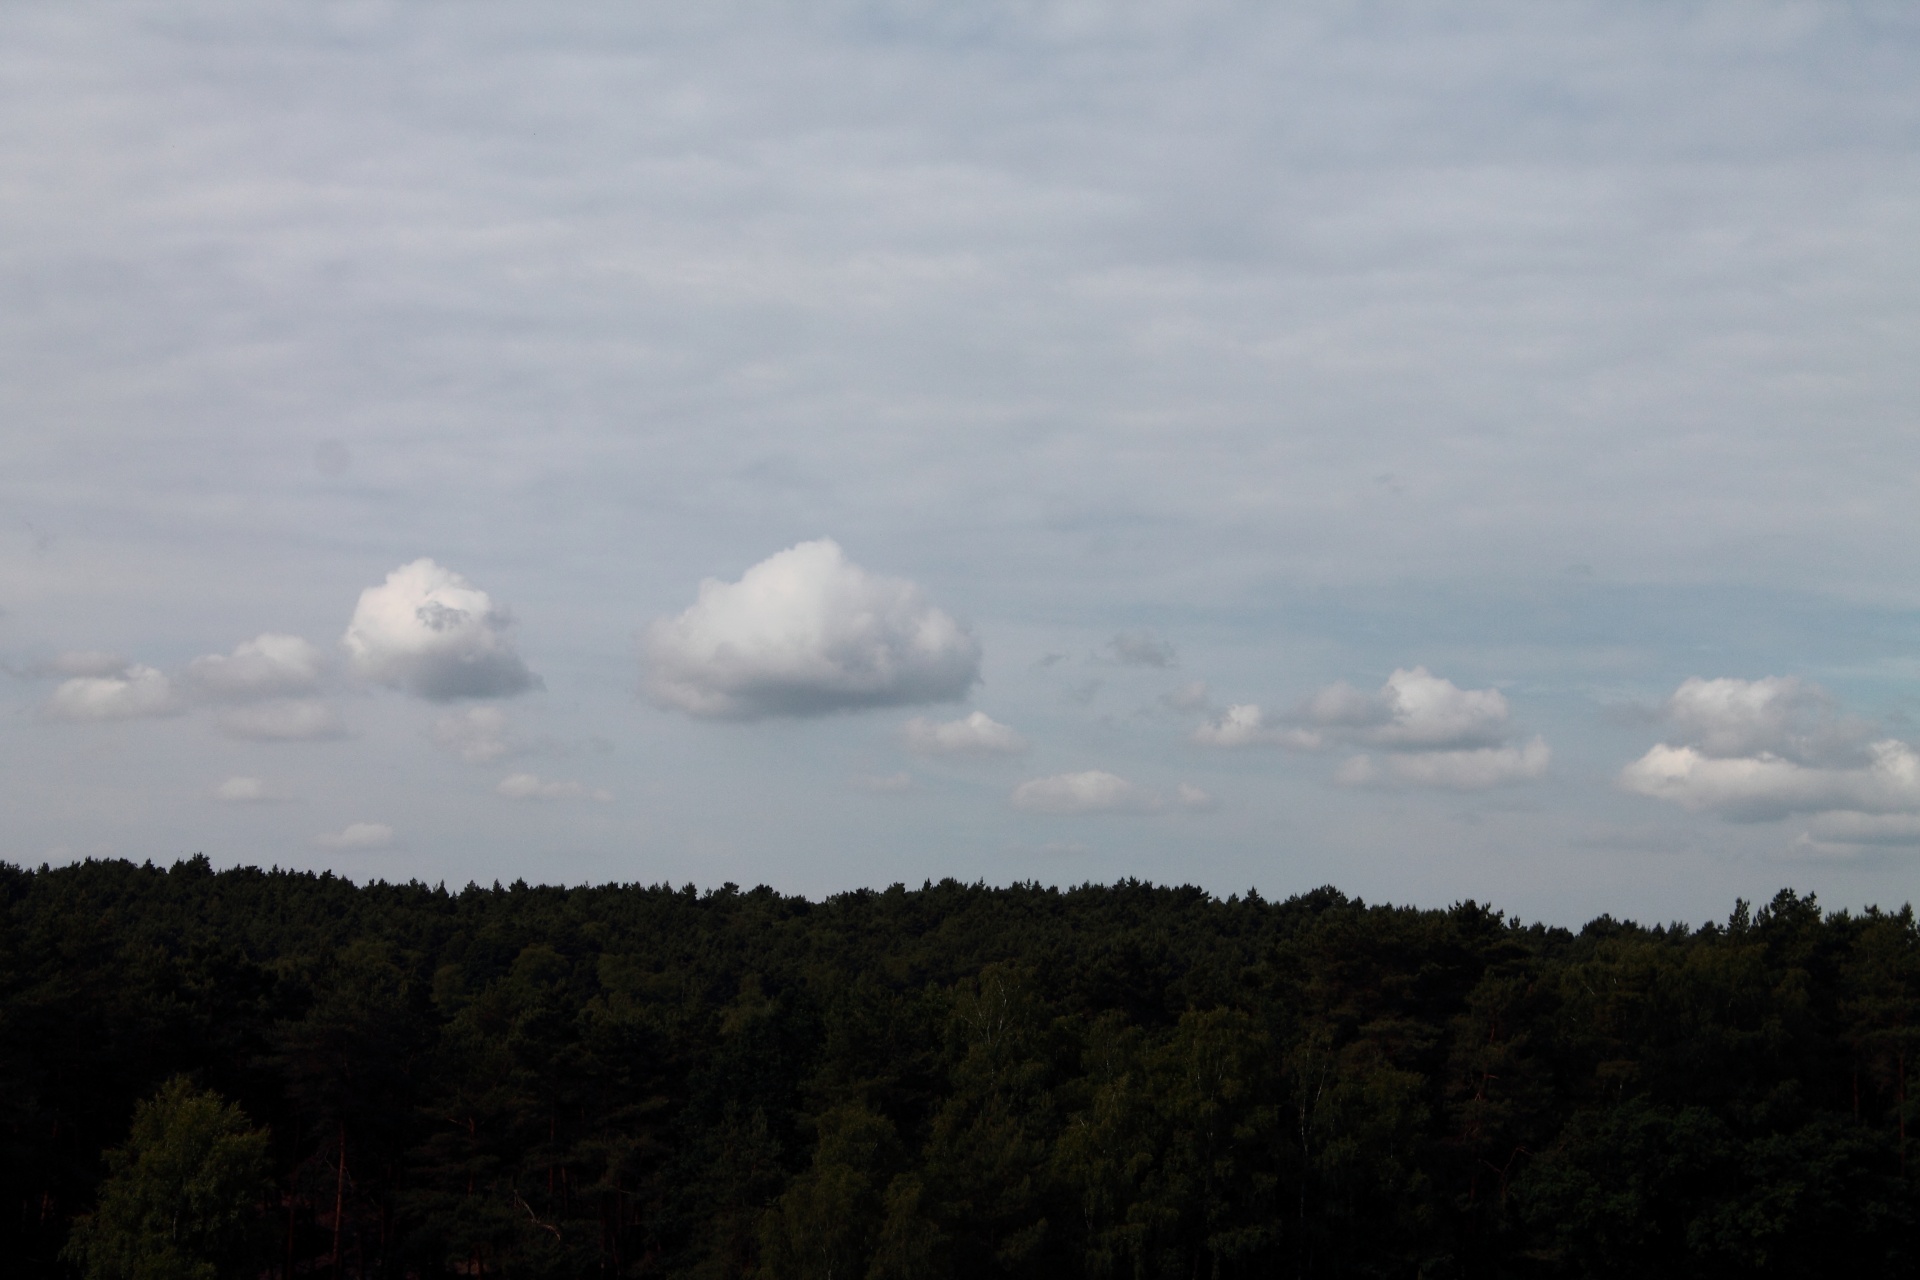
[
  {"x": 180, "y": 1198},
  {"x": 1120, "y": 1081}
]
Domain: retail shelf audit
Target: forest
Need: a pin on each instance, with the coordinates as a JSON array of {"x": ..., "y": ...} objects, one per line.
[{"x": 267, "y": 1073}]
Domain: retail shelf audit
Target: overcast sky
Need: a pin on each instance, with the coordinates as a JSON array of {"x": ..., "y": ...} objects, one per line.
[{"x": 1441, "y": 451}]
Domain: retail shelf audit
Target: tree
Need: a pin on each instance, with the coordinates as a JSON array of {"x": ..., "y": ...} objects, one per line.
[{"x": 181, "y": 1200}]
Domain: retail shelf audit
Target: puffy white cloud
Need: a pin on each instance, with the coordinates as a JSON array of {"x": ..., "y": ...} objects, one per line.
[
  {"x": 242, "y": 790},
  {"x": 527, "y": 786},
  {"x": 1142, "y": 649},
  {"x": 134, "y": 693},
  {"x": 1762, "y": 787},
  {"x": 974, "y": 735},
  {"x": 1764, "y": 750},
  {"x": 357, "y": 835},
  {"x": 283, "y": 720},
  {"x": 807, "y": 632},
  {"x": 477, "y": 735},
  {"x": 1475, "y": 769},
  {"x": 1093, "y": 791},
  {"x": 270, "y": 665},
  {"x": 1426, "y": 730},
  {"x": 429, "y": 631}
]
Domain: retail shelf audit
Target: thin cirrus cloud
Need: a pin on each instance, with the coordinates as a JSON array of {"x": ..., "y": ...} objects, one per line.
[
  {"x": 1097, "y": 791},
  {"x": 283, "y": 720},
  {"x": 977, "y": 734},
  {"x": 430, "y": 632},
  {"x": 528, "y": 786},
  {"x": 357, "y": 835},
  {"x": 478, "y": 735},
  {"x": 807, "y": 632},
  {"x": 1427, "y": 731},
  {"x": 1768, "y": 749}
]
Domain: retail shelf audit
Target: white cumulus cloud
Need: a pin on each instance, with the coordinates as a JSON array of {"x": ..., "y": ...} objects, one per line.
[
  {"x": 357, "y": 835},
  {"x": 974, "y": 735},
  {"x": 528, "y": 786},
  {"x": 1091, "y": 791},
  {"x": 133, "y": 693},
  {"x": 1421, "y": 730},
  {"x": 1763, "y": 750},
  {"x": 477, "y": 735},
  {"x": 283, "y": 720},
  {"x": 270, "y": 665},
  {"x": 807, "y": 632},
  {"x": 243, "y": 790},
  {"x": 429, "y": 631},
  {"x": 1474, "y": 769}
]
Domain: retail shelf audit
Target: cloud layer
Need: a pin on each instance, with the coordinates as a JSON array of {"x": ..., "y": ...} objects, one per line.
[
  {"x": 429, "y": 631},
  {"x": 977, "y": 734},
  {"x": 1429, "y": 731},
  {"x": 806, "y": 632},
  {"x": 1767, "y": 749}
]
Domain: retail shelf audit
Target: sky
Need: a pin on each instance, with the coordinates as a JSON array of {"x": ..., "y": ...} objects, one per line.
[{"x": 1443, "y": 452}]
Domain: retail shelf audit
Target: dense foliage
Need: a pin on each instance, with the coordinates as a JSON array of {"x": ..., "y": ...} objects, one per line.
[{"x": 1122, "y": 1081}]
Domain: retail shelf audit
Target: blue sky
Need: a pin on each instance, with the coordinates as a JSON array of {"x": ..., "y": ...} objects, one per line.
[{"x": 1443, "y": 452}]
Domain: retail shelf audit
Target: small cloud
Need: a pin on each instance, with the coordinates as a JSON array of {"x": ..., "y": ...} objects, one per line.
[
  {"x": 429, "y": 631},
  {"x": 357, "y": 835},
  {"x": 136, "y": 692},
  {"x": 974, "y": 735},
  {"x": 270, "y": 665},
  {"x": 283, "y": 720},
  {"x": 477, "y": 735},
  {"x": 527, "y": 786},
  {"x": 1471, "y": 770},
  {"x": 238, "y": 790},
  {"x": 807, "y": 632},
  {"x": 1091, "y": 791},
  {"x": 1413, "y": 711},
  {"x": 1142, "y": 649},
  {"x": 1047, "y": 660},
  {"x": 891, "y": 784},
  {"x": 1081, "y": 695},
  {"x": 1188, "y": 796},
  {"x": 1246, "y": 725},
  {"x": 1189, "y": 697}
]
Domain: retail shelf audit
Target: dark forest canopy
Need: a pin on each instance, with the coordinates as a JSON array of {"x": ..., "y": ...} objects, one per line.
[{"x": 1122, "y": 1080}]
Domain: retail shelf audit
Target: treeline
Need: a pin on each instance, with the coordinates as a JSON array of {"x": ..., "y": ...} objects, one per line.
[{"x": 959, "y": 1081}]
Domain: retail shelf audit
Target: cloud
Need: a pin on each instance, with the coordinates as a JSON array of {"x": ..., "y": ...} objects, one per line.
[
  {"x": 357, "y": 835},
  {"x": 283, "y": 720},
  {"x": 1093, "y": 791},
  {"x": 137, "y": 692},
  {"x": 1475, "y": 769},
  {"x": 240, "y": 790},
  {"x": 1246, "y": 725},
  {"x": 270, "y": 665},
  {"x": 477, "y": 735},
  {"x": 1763, "y": 750},
  {"x": 974, "y": 735},
  {"x": 1764, "y": 787},
  {"x": 1428, "y": 732},
  {"x": 1142, "y": 649},
  {"x": 1188, "y": 796},
  {"x": 527, "y": 786},
  {"x": 429, "y": 631},
  {"x": 806, "y": 632}
]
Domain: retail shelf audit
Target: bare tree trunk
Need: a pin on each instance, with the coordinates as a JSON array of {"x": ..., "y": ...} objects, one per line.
[{"x": 339, "y": 1198}]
